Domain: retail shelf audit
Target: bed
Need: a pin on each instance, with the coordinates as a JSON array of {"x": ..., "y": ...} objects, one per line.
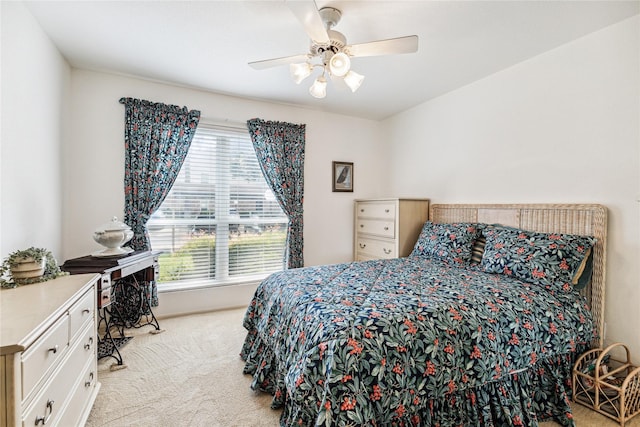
[{"x": 480, "y": 325}]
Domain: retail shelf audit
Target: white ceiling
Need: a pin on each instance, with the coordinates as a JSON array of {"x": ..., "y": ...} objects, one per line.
[{"x": 207, "y": 44}]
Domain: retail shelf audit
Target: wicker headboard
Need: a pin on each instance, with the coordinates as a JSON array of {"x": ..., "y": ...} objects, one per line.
[{"x": 580, "y": 219}]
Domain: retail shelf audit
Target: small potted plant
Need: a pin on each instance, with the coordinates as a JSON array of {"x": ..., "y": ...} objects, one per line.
[{"x": 28, "y": 266}]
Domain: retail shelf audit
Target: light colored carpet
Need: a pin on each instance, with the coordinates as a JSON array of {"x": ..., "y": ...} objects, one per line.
[{"x": 191, "y": 375}]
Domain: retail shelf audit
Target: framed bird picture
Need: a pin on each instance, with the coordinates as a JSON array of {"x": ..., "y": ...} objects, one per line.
[{"x": 343, "y": 176}]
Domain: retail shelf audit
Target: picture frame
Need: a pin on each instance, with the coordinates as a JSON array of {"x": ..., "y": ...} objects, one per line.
[{"x": 342, "y": 176}]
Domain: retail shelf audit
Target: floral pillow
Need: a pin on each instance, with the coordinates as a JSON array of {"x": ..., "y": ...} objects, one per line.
[
  {"x": 541, "y": 258},
  {"x": 447, "y": 242}
]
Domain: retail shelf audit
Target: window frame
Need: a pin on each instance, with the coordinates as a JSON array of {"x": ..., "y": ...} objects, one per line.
[{"x": 222, "y": 220}]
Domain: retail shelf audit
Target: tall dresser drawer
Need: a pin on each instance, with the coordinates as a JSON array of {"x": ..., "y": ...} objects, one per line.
[
  {"x": 376, "y": 248},
  {"x": 377, "y": 210},
  {"x": 81, "y": 313},
  {"x": 37, "y": 359},
  {"x": 376, "y": 227}
]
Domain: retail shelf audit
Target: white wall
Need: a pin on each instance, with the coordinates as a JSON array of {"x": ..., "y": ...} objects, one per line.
[
  {"x": 560, "y": 127},
  {"x": 35, "y": 84}
]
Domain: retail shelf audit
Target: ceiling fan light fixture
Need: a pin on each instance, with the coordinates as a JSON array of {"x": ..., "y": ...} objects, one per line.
[
  {"x": 353, "y": 80},
  {"x": 300, "y": 71},
  {"x": 339, "y": 64},
  {"x": 329, "y": 49},
  {"x": 319, "y": 88}
]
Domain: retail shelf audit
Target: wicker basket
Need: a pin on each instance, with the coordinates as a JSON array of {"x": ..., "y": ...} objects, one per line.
[{"x": 606, "y": 385}]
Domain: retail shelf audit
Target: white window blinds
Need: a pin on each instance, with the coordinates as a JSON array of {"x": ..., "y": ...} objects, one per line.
[{"x": 220, "y": 222}]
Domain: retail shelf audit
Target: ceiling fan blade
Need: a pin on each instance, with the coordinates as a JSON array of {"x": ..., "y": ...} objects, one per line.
[
  {"x": 307, "y": 13},
  {"x": 276, "y": 62},
  {"x": 408, "y": 44}
]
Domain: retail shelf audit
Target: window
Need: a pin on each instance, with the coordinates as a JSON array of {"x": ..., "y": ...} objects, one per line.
[{"x": 220, "y": 223}]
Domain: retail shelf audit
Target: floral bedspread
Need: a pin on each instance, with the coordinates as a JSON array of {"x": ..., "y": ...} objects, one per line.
[{"x": 413, "y": 342}]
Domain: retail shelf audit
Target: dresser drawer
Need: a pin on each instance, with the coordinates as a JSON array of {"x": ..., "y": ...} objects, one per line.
[
  {"x": 376, "y": 227},
  {"x": 374, "y": 249},
  {"x": 37, "y": 359},
  {"x": 384, "y": 210},
  {"x": 82, "y": 392},
  {"x": 51, "y": 401},
  {"x": 104, "y": 291},
  {"x": 86, "y": 383},
  {"x": 81, "y": 313},
  {"x": 365, "y": 257}
]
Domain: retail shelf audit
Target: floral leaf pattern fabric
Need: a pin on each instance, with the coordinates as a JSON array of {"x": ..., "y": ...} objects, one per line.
[
  {"x": 448, "y": 242},
  {"x": 156, "y": 140},
  {"x": 550, "y": 259},
  {"x": 279, "y": 147},
  {"x": 413, "y": 342}
]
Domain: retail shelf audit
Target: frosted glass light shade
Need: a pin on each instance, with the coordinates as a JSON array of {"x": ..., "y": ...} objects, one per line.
[
  {"x": 353, "y": 80},
  {"x": 319, "y": 88},
  {"x": 300, "y": 71},
  {"x": 339, "y": 64}
]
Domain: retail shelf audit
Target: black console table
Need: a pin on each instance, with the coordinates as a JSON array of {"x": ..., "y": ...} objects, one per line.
[{"x": 124, "y": 293}]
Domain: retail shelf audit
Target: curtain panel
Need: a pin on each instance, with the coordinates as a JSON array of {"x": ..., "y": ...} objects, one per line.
[
  {"x": 156, "y": 139},
  {"x": 279, "y": 147}
]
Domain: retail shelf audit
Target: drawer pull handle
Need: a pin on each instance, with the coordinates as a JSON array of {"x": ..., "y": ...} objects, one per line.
[
  {"x": 362, "y": 245},
  {"x": 105, "y": 297},
  {"x": 54, "y": 349},
  {"x": 361, "y": 225},
  {"x": 386, "y": 251},
  {"x": 361, "y": 210},
  {"x": 88, "y": 345},
  {"x": 386, "y": 211},
  {"x": 88, "y": 383},
  {"x": 386, "y": 229},
  {"x": 45, "y": 419},
  {"x": 86, "y": 311}
]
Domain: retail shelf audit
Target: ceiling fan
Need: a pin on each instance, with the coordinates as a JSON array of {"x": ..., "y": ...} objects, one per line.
[{"x": 329, "y": 49}]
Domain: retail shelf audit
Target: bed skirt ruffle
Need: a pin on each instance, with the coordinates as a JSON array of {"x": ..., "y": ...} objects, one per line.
[{"x": 525, "y": 398}]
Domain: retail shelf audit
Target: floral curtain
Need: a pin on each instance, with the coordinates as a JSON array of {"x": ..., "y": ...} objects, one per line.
[
  {"x": 156, "y": 140},
  {"x": 279, "y": 147}
]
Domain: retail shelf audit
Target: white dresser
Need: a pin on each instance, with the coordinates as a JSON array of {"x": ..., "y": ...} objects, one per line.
[
  {"x": 387, "y": 228},
  {"x": 48, "y": 347}
]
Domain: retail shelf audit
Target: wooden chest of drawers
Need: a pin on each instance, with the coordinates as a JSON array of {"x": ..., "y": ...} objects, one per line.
[
  {"x": 387, "y": 228},
  {"x": 48, "y": 352}
]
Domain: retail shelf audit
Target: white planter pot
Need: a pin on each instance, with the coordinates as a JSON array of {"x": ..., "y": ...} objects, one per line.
[{"x": 28, "y": 269}]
